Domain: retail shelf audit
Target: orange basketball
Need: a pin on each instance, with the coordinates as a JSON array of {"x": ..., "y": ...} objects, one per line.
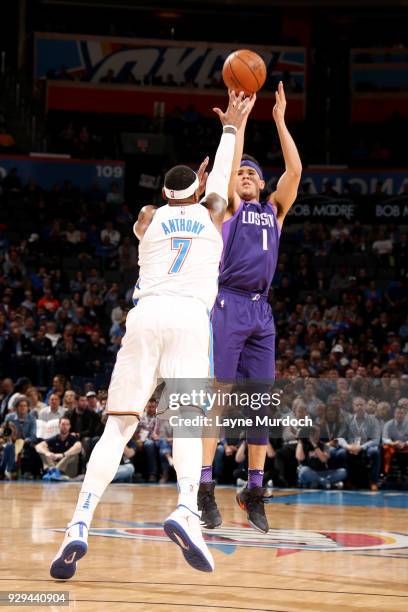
[{"x": 245, "y": 71}]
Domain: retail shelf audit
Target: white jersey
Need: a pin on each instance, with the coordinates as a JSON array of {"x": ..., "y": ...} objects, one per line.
[{"x": 179, "y": 255}]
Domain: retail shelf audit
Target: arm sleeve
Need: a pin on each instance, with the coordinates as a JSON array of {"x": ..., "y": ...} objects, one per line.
[{"x": 219, "y": 176}]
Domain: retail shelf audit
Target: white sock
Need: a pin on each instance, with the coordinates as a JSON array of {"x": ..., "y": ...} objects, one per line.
[
  {"x": 187, "y": 455},
  {"x": 103, "y": 465}
]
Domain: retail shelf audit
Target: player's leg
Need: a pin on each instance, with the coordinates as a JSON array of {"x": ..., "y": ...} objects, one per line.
[
  {"x": 132, "y": 384},
  {"x": 257, "y": 365},
  {"x": 228, "y": 343},
  {"x": 185, "y": 359}
]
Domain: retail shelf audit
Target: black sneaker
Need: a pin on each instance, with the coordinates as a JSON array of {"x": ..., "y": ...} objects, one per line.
[
  {"x": 210, "y": 515},
  {"x": 252, "y": 500}
]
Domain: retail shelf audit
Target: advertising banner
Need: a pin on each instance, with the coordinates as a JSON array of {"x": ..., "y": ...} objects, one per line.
[
  {"x": 49, "y": 170},
  {"x": 90, "y": 58}
]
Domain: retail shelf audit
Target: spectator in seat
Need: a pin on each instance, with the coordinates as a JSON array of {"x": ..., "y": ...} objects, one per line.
[
  {"x": 395, "y": 439},
  {"x": 114, "y": 196},
  {"x": 70, "y": 400},
  {"x": 53, "y": 411},
  {"x": 313, "y": 470},
  {"x": 363, "y": 442},
  {"x": 59, "y": 384},
  {"x": 111, "y": 233},
  {"x": 147, "y": 438},
  {"x": 163, "y": 432},
  {"x": 61, "y": 452},
  {"x": 382, "y": 414},
  {"x": 36, "y": 405},
  {"x": 49, "y": 302},
  {"x": 7, "y": 390},
  {"x": 42, "y": 349},
  {"x": 95, "y": 355},
  {"x": 93, "y": 403},
  {"x": 17, "y": 352},
  {"x": 126, "y": 468},
  {"x": 67, "y": 355},
  {"x": 332, "y": 428},
  {"x": 285, "y": 460},
  {"x": 20, "y": 428},
  {"x": 85, "y": 424}
]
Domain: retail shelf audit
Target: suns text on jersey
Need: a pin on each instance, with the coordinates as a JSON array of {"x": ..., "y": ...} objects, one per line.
[{"x": 255, "y": 218}]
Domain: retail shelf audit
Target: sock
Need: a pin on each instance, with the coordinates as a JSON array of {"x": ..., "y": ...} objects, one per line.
[
  {"x": 206, "y": 474},
  {"x": 187, "y": 457},
  {"x": 85, "y": 507},
  {"x": 103, "y": 465},
  {"x": 255, "y": 478}
]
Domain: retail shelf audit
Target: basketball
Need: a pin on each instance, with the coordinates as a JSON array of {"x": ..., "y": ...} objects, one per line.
[{"x": 245, "y": 71}]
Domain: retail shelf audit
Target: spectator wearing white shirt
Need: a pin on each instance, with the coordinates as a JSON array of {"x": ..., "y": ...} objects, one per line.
[
  {"x": 52, "y": 333},
  {"x": 111, "y": 233},
  {"x": 72, "y": 234},
  {"x": 114, "y": 196},
  {"x": 53, "y": 410},
  {"x": 36, "y": 405}
]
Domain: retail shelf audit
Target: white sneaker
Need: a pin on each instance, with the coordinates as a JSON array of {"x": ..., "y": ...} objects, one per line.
[
  {"x": 183, "y": 528},
  {"x": 73, "y": 548}
]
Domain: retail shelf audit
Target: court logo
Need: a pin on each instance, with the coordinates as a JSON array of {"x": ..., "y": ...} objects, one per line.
[{"x": 286, "y": 541}]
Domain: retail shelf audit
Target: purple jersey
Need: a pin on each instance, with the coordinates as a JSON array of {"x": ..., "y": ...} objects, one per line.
[{"x": 251, "y": 246}]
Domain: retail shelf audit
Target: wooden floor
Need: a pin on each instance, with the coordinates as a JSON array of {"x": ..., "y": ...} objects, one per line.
[{"x": 326, "y": 551}]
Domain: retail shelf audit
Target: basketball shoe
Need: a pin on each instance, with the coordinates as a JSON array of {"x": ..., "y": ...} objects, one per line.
[
  {"x": 210, "y": 515},
  {"x": 252, "y": 500},
  {"x": 183, "y": 528},
  {"x": 73, "y": 548}
]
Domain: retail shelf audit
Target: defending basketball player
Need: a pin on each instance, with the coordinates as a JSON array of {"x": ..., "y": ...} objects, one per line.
[
  {"x": 167, "y": 335},
  {"x": 243, "y": 325}
]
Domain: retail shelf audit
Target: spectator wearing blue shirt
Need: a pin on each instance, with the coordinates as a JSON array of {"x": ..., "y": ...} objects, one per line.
[{"x": 19, "y": 429}]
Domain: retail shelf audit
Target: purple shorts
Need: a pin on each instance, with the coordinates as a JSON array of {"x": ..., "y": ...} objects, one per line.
[{"x": 244, "y": 336}]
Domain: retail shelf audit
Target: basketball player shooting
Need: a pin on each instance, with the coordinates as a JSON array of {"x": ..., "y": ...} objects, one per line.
[
  {"x": 167, "y": 335},
  {"x": 243, "y": 325}
]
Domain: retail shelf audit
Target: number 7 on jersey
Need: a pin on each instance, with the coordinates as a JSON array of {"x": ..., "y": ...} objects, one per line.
[{"x": 182, "y": 245}]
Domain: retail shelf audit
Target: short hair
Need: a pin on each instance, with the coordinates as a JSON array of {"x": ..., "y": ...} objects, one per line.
[
  {"x": 20, "y": 398},
  {"x": 179, "y": 178}
]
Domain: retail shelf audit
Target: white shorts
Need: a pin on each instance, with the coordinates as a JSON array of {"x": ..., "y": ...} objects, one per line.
[{"x": 167, "y": 337}]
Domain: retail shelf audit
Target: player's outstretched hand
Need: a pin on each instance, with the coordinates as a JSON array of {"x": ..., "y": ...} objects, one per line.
[
  {"x": 203, "y": 175},
  {"x": 238, "y": 109},
  {"x": 280, "y": 104}
]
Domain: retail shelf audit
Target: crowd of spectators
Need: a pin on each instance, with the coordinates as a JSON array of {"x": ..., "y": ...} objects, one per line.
[
  {"x": 68, "y": 264},
  {"x": 186, "y": 134}
]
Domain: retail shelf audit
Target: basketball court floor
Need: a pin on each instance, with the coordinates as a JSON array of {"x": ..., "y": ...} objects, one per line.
[{"x": 326, "y": 550}]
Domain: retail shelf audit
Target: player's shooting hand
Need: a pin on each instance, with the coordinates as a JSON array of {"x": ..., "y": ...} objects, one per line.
[
  {"x": 238, "y": 109},
  {"x": 280, "y": 104},
  {"x": 202, "y": 175}
]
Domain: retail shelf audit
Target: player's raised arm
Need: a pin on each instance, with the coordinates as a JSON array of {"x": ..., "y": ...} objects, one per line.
[
  {"x": 144, "y": 219},
  {"x": 233, "y": 197},
  {"x": 287, "y": 187},
  {"x": 216, "y": 192}
]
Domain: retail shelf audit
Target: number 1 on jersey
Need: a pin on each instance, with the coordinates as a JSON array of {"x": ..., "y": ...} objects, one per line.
[
  {"x": 265, "y": 239},
  {"x": 183, "y": 246}
]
